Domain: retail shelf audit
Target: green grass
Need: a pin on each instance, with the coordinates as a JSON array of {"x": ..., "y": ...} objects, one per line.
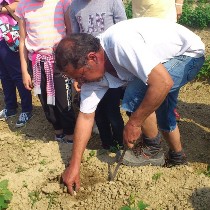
[
  {"x": 204, "y": 73},
  {"x": 196, "y": 16},
  {"x": 128, "y": 10}
]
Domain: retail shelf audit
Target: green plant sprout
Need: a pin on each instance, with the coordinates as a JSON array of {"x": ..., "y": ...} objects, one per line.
[
  {"x": 156, "y": 176},
  {"x": 20, "y": 169},
  {"x": 142, "y": 205},
  {"x": 43, "y": 162},
  {"x": 34, "y": 196},
  {"x": 133, "y": 206},
  {"x": 92, "y": 153},
  {"x": 115, "y": 149},
  {"x": 52, "y": 171},
  {"x": 27, "y": 144},
  {"x": 51, "y": 198},
  {"x": 5, "y": 195},
  {"x": 18, "y": 132},
  {"x": 25, "y": 184},
  {"x": 207, "y": 172},
  {"x": 40, "y": 169}
]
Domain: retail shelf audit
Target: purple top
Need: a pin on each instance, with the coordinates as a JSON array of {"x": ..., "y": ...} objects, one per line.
[{"x": 6, "y": 18}]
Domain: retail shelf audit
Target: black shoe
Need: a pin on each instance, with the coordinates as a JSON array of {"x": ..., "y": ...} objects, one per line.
[
  {"x": 105, "y": 146},
  {"x": 175, "y": 159}
]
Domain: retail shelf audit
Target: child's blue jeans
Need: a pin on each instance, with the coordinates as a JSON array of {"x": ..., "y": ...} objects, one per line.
[
  {"x": 182, "y": 69},
  {"x": 11, "y": 78}
]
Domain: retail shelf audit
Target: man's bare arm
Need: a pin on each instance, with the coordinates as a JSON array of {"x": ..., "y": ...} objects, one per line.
[
  {"x": 179, "y": 5},
  {"x": 82, "y": 133},
  {"x": 159, "y": 84}
]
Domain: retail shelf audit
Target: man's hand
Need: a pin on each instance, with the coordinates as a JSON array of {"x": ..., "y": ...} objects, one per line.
[
  {"x": 27, "y": 81},
  {"x": 130, "y": 134},
  {"x": 71, "y": 179}
]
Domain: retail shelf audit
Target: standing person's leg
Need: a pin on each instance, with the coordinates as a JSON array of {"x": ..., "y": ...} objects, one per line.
[
  {"x": 112, "y": 110},
  {"x": 16, "y": 76},
  {"x": 169, "y": 129},
  {"x": 12, "y": 78},
  {"x": 182, "y": 69},
  {"x": 63, "y": 105},
  {"x": 8, "y": 84},
  {"x": 48, "y": 109},
  {"x": 103, "y": 123},
  {"x": 167, "y": 121}
]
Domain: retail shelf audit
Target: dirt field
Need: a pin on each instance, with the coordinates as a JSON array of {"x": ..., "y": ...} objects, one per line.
[{"x": 32, "y": 162}]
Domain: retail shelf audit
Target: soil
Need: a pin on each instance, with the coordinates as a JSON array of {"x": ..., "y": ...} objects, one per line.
[{"x": 32, "y": 162}]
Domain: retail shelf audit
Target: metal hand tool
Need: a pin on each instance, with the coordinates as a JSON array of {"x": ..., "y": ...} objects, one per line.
[{"x": 112, "y": 175}]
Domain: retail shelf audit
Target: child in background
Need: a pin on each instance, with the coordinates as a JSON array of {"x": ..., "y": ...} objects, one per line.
[
  {"x": 11, "y": 76},
  {"x": 42, "y": 26},
  {"x": 165, "y": 9},
  {"x": 94, "y": 17}
]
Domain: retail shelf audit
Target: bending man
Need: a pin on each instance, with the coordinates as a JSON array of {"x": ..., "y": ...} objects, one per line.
[{"x": 154, "y": 58}]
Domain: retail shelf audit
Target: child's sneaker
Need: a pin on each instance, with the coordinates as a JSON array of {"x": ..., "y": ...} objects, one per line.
[
  {"x": 68, "y": 141},
  {"x": 23, "y": 119},
  {"x": 6, "y": 113},
  {"x": 95, "y": 128},
  {"x": 59, "y": 137},
  {"x": 62, "y": 138}
]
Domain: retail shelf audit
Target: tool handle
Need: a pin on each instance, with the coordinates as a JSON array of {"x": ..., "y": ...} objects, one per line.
[{"x": 118, "y": 165}]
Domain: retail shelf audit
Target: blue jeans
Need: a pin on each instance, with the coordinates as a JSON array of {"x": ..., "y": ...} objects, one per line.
[
  {"x": 182, "y": 69},
  {"x": 11, "y": 77}
]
